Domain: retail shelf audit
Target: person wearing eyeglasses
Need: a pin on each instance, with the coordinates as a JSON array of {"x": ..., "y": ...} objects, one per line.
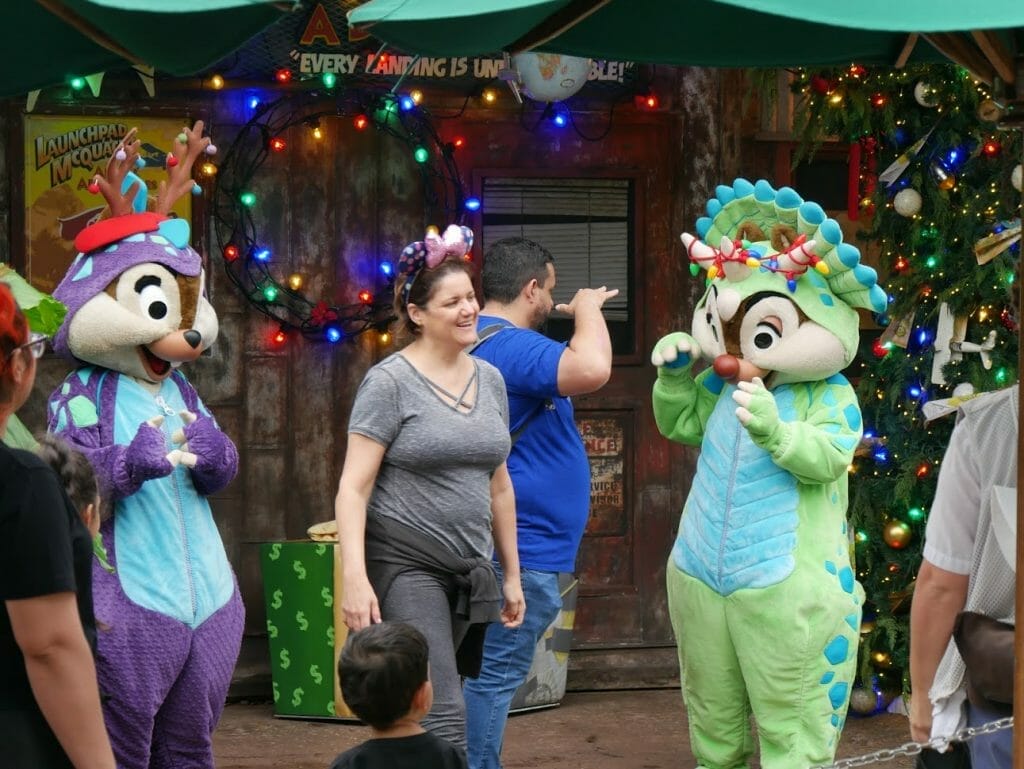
[{"x": 49, "y": 700}]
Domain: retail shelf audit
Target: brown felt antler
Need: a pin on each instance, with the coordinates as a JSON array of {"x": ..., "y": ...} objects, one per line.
[
  {"x": 179, "y": 167},
  {"x": 120, "y": 163}
]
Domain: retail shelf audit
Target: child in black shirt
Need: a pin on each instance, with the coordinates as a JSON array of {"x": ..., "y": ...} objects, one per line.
[{"x": 385, "y": 681}]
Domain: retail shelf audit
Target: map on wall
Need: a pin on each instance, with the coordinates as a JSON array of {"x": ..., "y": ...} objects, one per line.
[{"x": 62, "y": 154}]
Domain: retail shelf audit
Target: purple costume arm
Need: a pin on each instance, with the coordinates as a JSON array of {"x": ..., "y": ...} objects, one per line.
[
  {"x": 120, "y": 470},
  {"x": 217, "y": 457}
]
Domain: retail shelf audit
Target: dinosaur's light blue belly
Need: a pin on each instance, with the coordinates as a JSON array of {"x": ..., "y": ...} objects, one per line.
[{"x": 738, "y": 528}]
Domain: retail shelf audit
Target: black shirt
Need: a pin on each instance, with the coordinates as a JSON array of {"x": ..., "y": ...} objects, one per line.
[
  {"x": 44, "y": 549},
  {"x": 420, "y": 751}
]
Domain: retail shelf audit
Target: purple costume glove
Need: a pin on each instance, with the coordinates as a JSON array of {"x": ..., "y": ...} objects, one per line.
[
  {"x": 216, "y": 455},
  {"x": 146, "y": 456}
]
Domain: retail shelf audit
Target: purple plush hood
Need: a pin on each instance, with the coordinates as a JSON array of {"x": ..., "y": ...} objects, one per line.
[{"x": 90, "y": 274}]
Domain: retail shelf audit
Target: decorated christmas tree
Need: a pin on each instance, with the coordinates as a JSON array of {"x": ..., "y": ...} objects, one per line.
[{"x": 938, "y": 198}]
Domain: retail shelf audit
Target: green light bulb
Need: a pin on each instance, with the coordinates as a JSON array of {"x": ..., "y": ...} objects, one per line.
[
  {"x": 421, "y": 155},
  {"x": 270, "y": 293},
  {"x": 248, "y": 199},
  {"x": 329, "y": 79},
  {"x": 77, "y": 83}
]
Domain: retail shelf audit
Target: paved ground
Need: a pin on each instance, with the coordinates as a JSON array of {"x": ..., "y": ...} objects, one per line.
[{"x": 589, "y": 730}]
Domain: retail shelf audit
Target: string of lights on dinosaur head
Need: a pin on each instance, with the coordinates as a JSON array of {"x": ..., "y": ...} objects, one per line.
[{"x": 791, "y": 263}]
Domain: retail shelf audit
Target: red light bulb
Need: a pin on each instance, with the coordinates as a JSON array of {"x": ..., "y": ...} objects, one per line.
[
  {"x": 360, "y": 122},
  {"x": 365, "y": 296},
  {"x": 277, "y": 144},
  {"x": 280, "y": 337},
  {"x": 458, "y": 141},
  {"x": 283, "y": 75},
  {"x": 231, "y": 252}
]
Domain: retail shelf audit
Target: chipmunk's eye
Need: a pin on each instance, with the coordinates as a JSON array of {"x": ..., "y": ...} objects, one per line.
[{"x": 152, "y": 299}]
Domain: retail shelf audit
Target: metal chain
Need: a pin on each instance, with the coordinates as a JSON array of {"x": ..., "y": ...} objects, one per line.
[{"x": 913, "y": 748}]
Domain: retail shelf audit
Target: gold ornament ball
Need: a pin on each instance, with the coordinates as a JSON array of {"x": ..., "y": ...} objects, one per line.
[
  {"x": 863, "y": 701},
  {"x": 897, "y": 535},
  {"x": 881, "y": 659}
]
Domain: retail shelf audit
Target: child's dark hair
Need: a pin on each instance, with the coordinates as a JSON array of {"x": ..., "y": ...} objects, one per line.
[
  {"x": 380, "y": 669},
  {"x": 73, "y": 469}
]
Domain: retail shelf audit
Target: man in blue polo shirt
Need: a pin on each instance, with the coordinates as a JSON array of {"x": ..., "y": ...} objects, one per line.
[{"x": 549, "y": 467}]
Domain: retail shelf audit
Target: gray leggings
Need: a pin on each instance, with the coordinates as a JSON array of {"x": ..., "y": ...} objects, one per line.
[{"x": 423, "y": 601}]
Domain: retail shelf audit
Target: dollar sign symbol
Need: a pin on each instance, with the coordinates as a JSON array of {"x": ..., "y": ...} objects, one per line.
[
  {"x": 321, "y": 549},
  {"x": 328, "y": 596},
  {"x": 315, "y": 674},
  {"x": 330, "y": 707},
  {"x": 286, "y": 660},
  {"x": 299, "y": 569},
  {"x": 300, "y": 617},
  {"x": 275, "y": 551},
  {"x": 276, "y": 603},
  {"x": 330, "y": 637},
  {"x": 277, "y": 692},
  {"x": 271, "y": 629},
  {"x": 297, "y": 697}
]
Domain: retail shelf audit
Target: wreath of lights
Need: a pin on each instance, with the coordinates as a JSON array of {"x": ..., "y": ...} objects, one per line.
[{"x": 248, "y": 260}]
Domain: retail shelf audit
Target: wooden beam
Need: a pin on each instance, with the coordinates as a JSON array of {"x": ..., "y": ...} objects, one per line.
[
  {"x": 86, "y": 28},
  {"x": 957, "y": 47},
  {"x": 996, "y": 53},
  {"x": 908, "y": 48},
  {"x": 554, "y": 25}
]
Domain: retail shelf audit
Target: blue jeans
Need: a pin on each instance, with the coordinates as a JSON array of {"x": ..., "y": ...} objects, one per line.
[
  {"x": 989, "y": 751},
  {"x": 508, "y": 654}
]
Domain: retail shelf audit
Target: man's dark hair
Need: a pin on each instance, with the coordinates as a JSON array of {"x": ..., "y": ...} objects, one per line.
[
  {"x": 380, "y": 669},
  {"x": 511, "y": 263}
]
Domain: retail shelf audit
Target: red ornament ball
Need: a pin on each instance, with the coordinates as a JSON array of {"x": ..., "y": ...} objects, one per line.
[{"x": 820, "y": 84}]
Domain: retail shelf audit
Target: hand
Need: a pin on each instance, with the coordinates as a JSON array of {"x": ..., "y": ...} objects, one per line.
[
  {"x": 359, "y": 603},
  {"x": 514, "y": 610},
  {"x": 757, "y": 410},
  {"x": 595, "y": 297},
  {"x": 146, "y": 455},
  {"x": 675, "y": 351},
  {"x": 920, "y": 717}
]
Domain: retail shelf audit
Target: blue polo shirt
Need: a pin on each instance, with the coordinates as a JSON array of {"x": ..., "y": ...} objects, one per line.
[{"x": 549, "y": 467}]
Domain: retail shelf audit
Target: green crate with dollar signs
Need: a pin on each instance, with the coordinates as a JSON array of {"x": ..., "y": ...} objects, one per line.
[{"x": 298, "y": 585}]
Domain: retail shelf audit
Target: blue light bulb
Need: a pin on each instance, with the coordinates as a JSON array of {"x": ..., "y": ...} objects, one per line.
[
  {"x": 387, "y": 269},
  {"x": 333, "y": 334},
  {"x": 472, "y": 204},
  {"x": 406, "y": 103}
]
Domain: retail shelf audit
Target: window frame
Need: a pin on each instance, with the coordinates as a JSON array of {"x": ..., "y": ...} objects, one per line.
[{"x": 636, "y": 267}]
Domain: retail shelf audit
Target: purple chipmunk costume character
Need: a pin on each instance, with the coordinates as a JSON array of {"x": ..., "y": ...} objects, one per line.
[{"x": 136, "y": 311}]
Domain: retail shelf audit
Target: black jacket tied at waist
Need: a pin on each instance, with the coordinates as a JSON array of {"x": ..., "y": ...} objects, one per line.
[{"x": 393, "y": 548}]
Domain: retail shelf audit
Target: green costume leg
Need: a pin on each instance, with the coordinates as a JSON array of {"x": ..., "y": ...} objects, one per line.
[
  {"x": 797, "y": 648},
  {"x": 713, "y": 687}
]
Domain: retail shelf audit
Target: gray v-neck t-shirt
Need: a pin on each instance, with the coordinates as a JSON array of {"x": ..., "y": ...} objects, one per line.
[{"x": 438, "y": 462}]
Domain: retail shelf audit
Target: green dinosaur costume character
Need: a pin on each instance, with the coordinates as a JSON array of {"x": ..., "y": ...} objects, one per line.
[{"x": 762, "y": 595}]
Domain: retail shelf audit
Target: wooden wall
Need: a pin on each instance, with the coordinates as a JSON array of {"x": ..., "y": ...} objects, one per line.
[{"x": 329, "y": 210}]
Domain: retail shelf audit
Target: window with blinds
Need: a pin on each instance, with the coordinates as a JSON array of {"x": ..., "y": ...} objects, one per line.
[{"x": 586, "y": 224}]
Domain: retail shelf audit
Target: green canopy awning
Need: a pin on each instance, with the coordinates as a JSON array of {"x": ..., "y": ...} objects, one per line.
[
  {"x": 47, "y": 42},
  {"x": 720, "y": 33}
]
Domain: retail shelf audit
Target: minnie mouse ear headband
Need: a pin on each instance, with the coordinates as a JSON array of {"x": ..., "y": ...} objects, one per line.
[{"x": 431, "y": 251}]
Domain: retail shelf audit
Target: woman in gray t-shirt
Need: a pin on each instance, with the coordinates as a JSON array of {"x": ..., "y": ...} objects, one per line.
[{"x": 425, "y": 496}]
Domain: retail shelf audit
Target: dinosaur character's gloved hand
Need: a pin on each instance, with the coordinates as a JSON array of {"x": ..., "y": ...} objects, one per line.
[
  {"x": 758, "y": 413},
  {"x": 675, "y": 353},
  {"x": 146, "y": 456}
]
